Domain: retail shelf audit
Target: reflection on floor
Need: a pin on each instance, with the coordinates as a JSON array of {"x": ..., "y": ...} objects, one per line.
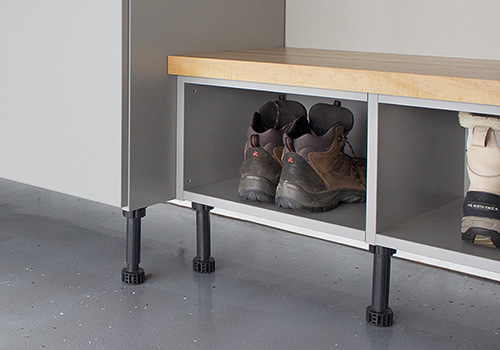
[{"x": 60, "y": 286}]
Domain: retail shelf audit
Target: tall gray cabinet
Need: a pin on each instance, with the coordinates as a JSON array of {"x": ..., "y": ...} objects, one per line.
[{"x": 87, "y": 106}]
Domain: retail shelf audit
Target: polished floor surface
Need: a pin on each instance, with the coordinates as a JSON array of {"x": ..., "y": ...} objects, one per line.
[{"x": 60, "y": 286}]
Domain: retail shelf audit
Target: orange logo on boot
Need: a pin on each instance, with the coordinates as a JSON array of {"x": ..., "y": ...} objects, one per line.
[
  {"x": 256, "y": 154},
  {"x": 290, "y": 160}
]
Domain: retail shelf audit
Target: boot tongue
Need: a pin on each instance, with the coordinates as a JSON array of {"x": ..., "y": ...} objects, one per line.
[
  {"x": 324, "y": 116},
  {"x": 278, "y": 114}
]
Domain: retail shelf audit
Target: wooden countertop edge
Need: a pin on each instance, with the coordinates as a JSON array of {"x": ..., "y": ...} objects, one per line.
[{"x": 447, "y": 88}]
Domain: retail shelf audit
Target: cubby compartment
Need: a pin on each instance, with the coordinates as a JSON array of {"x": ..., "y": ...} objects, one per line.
[
  {"x": 421, "y": 185},
  {"x": 215, "y": 120}
]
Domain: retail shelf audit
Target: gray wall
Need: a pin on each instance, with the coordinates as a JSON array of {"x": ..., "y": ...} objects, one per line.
[
  {"x": 458, "y": 28},
  {"x": 61, "y": 97}
]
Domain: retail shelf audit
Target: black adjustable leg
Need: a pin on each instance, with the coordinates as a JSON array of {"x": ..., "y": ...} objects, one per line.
[
  {"x": 379, "y": 313},
  {"x": 133, "y": 274},
  {"x": 203, "y": 262}
]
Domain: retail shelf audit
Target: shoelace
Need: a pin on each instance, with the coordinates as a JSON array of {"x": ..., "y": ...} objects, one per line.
[
  {"x": 276, "y": 123},
  {"x": 354, "y": 161},
  {"x": 277, "y": 114}
]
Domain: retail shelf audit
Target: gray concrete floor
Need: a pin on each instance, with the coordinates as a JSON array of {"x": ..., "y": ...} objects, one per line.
[{"x": 60, "y": 286}]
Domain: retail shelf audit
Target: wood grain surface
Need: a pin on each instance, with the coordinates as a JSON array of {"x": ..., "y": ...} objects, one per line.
[{"x": 440, "y": 78}]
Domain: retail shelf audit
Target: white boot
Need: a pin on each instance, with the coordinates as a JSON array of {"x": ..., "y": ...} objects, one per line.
[{"x": 481, "y": 210}]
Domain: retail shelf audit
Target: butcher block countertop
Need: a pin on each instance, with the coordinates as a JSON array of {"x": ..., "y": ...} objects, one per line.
[{"x": 438, "y": 78}]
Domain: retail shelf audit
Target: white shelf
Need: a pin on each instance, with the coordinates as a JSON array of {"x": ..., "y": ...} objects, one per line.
[
  {"x": 346, "y": 215},
  {"x": 436, "y": 236}
]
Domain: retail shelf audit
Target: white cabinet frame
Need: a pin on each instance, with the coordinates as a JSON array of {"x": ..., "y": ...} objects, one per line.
[{"x": 478, "y": 261}]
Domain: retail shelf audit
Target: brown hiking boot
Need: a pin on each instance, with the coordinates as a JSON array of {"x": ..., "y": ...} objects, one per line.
[
  {"x": 317, "y": 174},
  {"x": 261, "y": 167}
]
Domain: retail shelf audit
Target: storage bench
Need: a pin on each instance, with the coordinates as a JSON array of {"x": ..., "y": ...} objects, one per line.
[{"x": 406, "y": 125}]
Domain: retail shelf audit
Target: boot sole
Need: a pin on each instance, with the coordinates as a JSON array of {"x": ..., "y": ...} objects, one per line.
[
  {"x": 481, "y": 231},
  {"x": 294, "y": 197},
  {"x": 256, "y": 188}
]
